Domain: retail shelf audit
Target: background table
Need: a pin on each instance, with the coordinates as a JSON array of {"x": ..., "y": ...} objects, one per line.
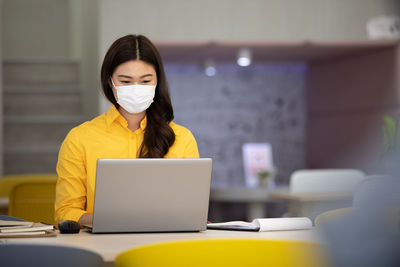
[
  {"x": 299, "y": 204},
  {"x": 312, "y": 204},
  {"x": 255, "y": 199}
]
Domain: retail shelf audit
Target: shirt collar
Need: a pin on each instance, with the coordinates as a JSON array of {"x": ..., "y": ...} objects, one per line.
[
  {"x": 143, "y": 123},
  {"x": 111, "y": 115},
  {"x": 114, "y": 115}
]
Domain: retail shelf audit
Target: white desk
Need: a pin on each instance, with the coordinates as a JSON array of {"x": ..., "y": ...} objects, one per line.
[
  {"x": 300, "y": 204},
  {"x": 312, "y": 204},
  {"x": 110, "y": 245}
]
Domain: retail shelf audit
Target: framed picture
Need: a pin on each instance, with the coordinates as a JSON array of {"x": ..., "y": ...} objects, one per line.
[{"x": 257, "y": 159}]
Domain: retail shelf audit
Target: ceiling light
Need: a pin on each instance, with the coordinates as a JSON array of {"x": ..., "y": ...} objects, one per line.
[
  {"x": 209, "y": 68},
  {"x": 244, "y": 57}
]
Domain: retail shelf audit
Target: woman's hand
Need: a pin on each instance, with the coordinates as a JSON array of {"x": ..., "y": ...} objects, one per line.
[{"x": 86, "y": 218}]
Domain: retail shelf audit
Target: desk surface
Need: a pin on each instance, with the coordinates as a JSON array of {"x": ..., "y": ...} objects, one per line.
[{"x": 110, "y": 245}]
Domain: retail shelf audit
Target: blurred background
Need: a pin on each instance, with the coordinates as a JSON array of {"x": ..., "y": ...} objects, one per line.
[{"x": 316, "y": 89}]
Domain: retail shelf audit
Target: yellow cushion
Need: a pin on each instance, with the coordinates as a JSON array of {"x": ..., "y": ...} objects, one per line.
[{"x": 231, "y": 252}]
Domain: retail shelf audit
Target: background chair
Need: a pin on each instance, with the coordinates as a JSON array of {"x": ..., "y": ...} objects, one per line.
[
  {"x": 16, "y": 255},
  {"x": 332, "y": 216},
  {"x": 231, "y": 252},
  {"x": 377, "y": 199},
  {"x": 8, "y": 182},
  {"x": 325, "y": 180},
  {"x": 33, "y": 199},
  {"x": 321, "y": 190},
  {"x": 375, "y": 187},
  {"x": 369, "y": 234}
]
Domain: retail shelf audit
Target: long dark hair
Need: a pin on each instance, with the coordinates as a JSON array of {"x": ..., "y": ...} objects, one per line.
[{"x": 158, "y": 136}]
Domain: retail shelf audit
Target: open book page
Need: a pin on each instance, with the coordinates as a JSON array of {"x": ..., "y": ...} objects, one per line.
[
  {"x": 4, "y": 223},
  {"x": 51, "y": 233},
  {"x": 17, "y": 229},
  {"x": 25, "y": 233},
  {"x": 33, "y": 228},
  {"x": 265, "y": 224},
  {"x": 234, "y": 225},
  {"x": 283, "y": 224},
  {"x": 14, "y": 227}
]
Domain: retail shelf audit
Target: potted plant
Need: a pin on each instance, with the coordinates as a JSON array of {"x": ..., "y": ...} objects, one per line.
[{"x": 266, "y": 178}]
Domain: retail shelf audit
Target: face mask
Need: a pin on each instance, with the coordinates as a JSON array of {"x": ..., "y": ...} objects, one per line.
[{"x": 135, "y": 98}]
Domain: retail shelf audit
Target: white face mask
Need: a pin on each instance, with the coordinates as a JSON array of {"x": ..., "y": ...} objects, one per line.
[{"x": 135, "y": 98}]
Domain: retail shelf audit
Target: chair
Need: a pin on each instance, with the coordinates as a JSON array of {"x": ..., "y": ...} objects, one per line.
[
  {"x": 329, "y": 187},
  {"x": 16, "y": 255},
  {"x": 379, "y": 196},
  {"x": 332, "y": 216},
  {"x": 33, "y": 199},
  {"x": 229, "y": 252},
  {"x": 377, "y": 187},
  {"x": 8, "y": 182},
  {"x": 325, "y": 180},
  {"x": 376, "y": 198}
]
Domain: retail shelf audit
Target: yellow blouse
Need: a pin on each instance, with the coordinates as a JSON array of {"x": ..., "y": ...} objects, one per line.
[{"x": 106, "y": 136}]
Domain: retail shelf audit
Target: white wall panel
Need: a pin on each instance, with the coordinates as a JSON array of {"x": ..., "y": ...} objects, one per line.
[{"x": 35, "y": 29}]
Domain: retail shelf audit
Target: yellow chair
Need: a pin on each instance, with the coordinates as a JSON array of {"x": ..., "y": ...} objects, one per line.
[
  {"x": 332, "y": 215},
  {"x": 33, "y": 199},
  {"x": 7, "y": 182},
  {"x": 225, "y": 252}
]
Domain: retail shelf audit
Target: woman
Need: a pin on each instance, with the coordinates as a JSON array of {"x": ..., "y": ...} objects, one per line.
[{"x": 138, "y": 125}]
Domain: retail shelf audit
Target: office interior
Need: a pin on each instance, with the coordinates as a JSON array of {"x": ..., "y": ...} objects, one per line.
[{"x": 316, "y": 90}]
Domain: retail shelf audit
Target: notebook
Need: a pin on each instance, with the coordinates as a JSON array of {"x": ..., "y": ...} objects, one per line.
[{"x": 151, "y": 195}]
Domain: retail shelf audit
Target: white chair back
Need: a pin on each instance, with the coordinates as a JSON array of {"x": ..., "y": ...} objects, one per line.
[{"x": 325, "y": 180}]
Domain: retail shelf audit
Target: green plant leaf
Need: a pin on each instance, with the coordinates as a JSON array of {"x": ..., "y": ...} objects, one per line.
[{"x": 389, "y": 134}]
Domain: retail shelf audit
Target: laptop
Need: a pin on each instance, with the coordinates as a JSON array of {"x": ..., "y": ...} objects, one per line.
[{"x": 151, "y": 195}]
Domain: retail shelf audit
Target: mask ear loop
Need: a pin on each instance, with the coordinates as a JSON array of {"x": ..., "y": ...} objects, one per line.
[
  {"x": 113, "y": 82},
  {"x": 116, "y": 97}
]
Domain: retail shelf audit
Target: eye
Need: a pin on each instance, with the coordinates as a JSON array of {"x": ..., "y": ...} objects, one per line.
[
  {"x": 147, "y": 81},
  {"x": 125, "y": 82}
]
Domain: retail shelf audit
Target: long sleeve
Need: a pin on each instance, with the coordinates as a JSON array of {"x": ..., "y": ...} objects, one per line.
[{"x": 71, "y": 185}]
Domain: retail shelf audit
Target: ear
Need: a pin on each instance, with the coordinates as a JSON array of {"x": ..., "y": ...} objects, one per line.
[{"x": 110, "y": 84}]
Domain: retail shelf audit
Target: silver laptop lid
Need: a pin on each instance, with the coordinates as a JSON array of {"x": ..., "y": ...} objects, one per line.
[{"x": 151, "y": 195}]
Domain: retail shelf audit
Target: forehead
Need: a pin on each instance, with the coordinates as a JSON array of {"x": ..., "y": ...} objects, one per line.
[{"x": 135, "y": 68}]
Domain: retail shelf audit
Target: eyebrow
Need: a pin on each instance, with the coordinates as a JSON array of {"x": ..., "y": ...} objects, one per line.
[{"x": 129, "y": 77}]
